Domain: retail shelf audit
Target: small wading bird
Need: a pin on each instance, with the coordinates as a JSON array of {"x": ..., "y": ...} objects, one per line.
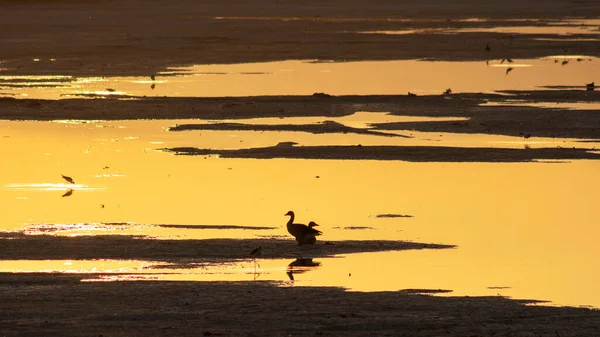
[
  {"x": 526, "y": 137},
  {"x": 487, "y": 47},
  {"x": 448, "y": 91},
  {"x": 256, "y": 252},
  {"x": 303, "y": 233},
  {"x": 410, "y": 94},
  {"x": 68, "y": 179}
]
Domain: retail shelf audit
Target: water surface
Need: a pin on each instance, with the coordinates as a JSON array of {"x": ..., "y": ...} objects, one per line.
[{"x": 524, "y": 230}]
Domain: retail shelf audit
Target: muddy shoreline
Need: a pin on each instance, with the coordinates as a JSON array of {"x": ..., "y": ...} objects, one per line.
[
  {"x": 104, "y": 39},
  {"x": 484, "y": 119},
  {"x": 61, "y": 305},
  {"x": 404, "y": 153},
  {"x": 40, "y": 247}
]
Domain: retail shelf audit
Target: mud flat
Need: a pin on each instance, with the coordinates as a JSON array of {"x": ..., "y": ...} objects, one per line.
[
  {"x": 62, "y": 305},
  {"x": 91, "y": 38},
  {"x": 39, "y": 247},
  {"x": 404, "y": 153},
  {"x": 501, "y": 118}
]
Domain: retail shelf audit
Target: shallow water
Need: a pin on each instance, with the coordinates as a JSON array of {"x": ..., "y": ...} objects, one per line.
[
  {"x": 528, "y": 228},
  {"x": 305, "y": 77}
]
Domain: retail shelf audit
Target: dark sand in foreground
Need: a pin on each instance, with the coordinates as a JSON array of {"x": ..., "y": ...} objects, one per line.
[{"x": 61, "y": 305}]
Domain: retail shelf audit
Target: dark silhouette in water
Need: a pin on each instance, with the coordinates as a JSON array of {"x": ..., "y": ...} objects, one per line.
[
  {"x": 304, "y": 264},
  {"x": 304, "y": 234},
  {"x": 590, "y": 86},
  {"x": 68, "y": 193}
]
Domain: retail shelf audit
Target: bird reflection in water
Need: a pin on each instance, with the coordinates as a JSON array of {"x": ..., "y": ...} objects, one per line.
[{"x": 300, "y": 266}]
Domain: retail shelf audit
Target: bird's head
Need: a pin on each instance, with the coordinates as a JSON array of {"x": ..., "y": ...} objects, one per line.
[
  {"x": 312, "y": 224},
  {"x": 290, "y": 213}
]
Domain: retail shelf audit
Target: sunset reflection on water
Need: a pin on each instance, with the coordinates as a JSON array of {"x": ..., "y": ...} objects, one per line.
[{"x": 524, "y": 230}]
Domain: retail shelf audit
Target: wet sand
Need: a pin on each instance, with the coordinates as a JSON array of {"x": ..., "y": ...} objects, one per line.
[
  {"x": 103, "y": 38},
  {"x": 61, "y": 305},
  {"x": 485, "y": 119},
  {"x": 405, "y": 153},
  {"x": 39, "y": 247}
]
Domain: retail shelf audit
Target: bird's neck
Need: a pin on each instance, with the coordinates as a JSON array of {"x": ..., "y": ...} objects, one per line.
[{"x": 291, "y": 221}]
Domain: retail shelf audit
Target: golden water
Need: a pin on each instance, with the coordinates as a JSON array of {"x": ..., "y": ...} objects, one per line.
[{"x": 529, "y": 227}]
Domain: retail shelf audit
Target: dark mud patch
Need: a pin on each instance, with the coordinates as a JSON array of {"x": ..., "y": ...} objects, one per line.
[
  {"x": 217, "y": 227},
  {"x": 16, "y": 246},
  {"x": 325, "y": 127},
  {"x": 391, "y": 215},
  {"x": 402, "y": 153},
  {"x": 424, "y": 291},
  {"x": 62, "y": 305}
]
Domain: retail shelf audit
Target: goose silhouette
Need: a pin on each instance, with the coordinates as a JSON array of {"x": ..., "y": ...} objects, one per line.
[{"x": 304, "y": 234}]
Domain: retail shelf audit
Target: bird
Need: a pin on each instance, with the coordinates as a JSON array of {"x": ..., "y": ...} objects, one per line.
[
  {"x": 152, "y": 77},
  {"x": 487, "y": 47},
  {"x": 509, "y": 60},
  {"x": 68, "y": 179},
  {"x": 525, "y": 136},
  {"x": 256, "y": 252},
  {"x": 410, "y": 94},
  {"x": 508, "y": 70},
  {"x": 590, "y": 86},
  {"x": 303, "y": 233},
  {"x": 448, "y": 91},
  {"x": 564, "y": 62},
  {"x": 110, "y": 89},
  {"x": 153, "y": 86}
]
